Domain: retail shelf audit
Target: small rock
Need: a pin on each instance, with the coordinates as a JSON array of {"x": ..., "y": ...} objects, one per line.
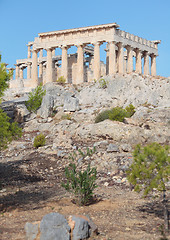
[
  {"x": 112, "y": 148},
  {"x": 106, "y": 184}
]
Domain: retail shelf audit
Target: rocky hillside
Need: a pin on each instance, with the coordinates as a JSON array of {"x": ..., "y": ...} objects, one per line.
[{"x": 67, "y": 119}]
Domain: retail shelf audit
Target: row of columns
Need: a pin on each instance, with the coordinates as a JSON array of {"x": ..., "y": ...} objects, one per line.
[{"x": 116, "y": 62}]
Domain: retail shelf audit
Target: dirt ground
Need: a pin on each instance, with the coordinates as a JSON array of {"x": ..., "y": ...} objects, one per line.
[{"x": 32, "y": 188}]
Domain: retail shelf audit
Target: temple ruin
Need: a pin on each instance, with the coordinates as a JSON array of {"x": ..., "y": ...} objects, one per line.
[{"x": 124, "y": 54}]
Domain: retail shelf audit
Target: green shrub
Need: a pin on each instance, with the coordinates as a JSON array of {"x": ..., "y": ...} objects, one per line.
[
  {"x": 116, "y": 114},
  {"x": 61, "y": 80},
  {"x": 8, "y": 131},
  {"x": 103, "y": 83},
  {"x": 39, "y": 141},
  {"x": 35, "y": 99},
  {"x": 81, "y": 183},
  {"x": 102, "y": 116},
  {"x": 130, "y": 110},
  {"x": 4, "y": 77}
]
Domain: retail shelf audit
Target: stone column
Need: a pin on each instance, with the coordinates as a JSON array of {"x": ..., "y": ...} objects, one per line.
[
  {"x": 153, "y": 65},
  {"x": 40, "y": 69},
  {"x": 107, "y": 58},
  {"x": 64, "y": 66},
  {"x": 53, "y": 52},
  {"x": 21, "y": 72},
  {"x": 146, "y": 64},
  {"x": 129, "y": 59},
  {"x": 80, "y": 65},
  {"x": 120, "y": 58},
  {"x": 138, "y": 61},
  {"x": 34, "y": 73},
  {"x": 41, "y": 54},
  {"x": 112, "y": 58},
  {"x": 29, "y": 51},
  {"x": 49, "y": 71},
  {"x": 40, "y": 63},
  {"x": 17, "y": 72},
  {"x": 96, "y": 60},
  {"x": 28, "y": 70}
]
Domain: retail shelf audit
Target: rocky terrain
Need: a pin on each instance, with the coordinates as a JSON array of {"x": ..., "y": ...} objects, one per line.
[{"x": 31, "y": 178}]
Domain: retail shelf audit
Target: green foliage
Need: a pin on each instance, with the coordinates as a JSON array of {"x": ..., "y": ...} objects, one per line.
[
  {"x": 103, "y": 83},
  {"x": 61, "y": 80},
  {"x": 130, "y": 110},
  {"x": 66, "y": 116},
  {"x": 80, "y": 183},
  {"x": 8, "y": 131},
  {"x": 150, "y": 168},
  {"x": 39, "y": 141},
  {"x": 4, "y": 77},
  {"x": 35, "y": 99},
  {"x": 102, "y": 116},
  {"x": 116, "y": 114}
]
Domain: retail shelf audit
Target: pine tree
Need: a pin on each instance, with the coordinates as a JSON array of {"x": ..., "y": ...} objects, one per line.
[{"x": 150, "y": 171}]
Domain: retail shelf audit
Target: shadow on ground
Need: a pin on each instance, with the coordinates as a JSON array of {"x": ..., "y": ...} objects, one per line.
[{"x": 28, "y": 183}]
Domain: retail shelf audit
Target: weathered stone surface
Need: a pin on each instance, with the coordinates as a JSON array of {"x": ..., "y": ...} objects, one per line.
[
  {"x": 112, "y": 148},
  {"x": 71, "y": 104},
  {"x": 81, "y": 228},
  {"x": 47, "y": 106},
  {"x": 22, "y": 114},
  {"x": 54, "y": 227},
  {"x": 31, "y": 230}
]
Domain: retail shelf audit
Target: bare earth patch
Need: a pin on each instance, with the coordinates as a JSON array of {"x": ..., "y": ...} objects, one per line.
[{"x": 31, "y": 189}]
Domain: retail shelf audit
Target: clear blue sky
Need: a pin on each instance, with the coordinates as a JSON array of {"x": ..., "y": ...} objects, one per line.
[{"x": 21, "y": 21}]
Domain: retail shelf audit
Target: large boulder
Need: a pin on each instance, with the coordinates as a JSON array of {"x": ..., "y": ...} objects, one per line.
[{"x": 54, "y": 226}]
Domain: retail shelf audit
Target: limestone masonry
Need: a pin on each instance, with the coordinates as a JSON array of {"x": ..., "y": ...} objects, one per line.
[{"x": 124, "y": 54}]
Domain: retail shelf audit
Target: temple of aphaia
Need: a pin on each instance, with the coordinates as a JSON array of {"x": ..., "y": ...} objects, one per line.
[{"x": 125, "y": 53}]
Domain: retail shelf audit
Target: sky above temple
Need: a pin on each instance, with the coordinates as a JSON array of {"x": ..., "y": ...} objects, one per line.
[{"x": 21, "y": 21}]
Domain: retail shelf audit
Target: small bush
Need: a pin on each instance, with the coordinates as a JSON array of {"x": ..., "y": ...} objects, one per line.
[
  {"x": 61, "y": 80},
  {"x": 35, "y": 99},
  {"x": 103, "y": 83},
  {"x": 81, "y": 183},
  {"x": 8, "y": 131},
  {"x": 116, "y": 114},
  {"x": 39, "y": 141},
  {"x": 130, "y": 110},
  {"x": 102, "y": 116}
]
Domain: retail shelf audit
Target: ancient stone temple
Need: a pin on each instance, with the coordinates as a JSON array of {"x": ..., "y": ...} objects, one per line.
[{"x": 125, "y": 53}]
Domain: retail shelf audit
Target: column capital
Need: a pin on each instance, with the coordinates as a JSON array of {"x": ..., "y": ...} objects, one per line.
[
  {"x": 145, "y": 53},
  {"x": 112, "y": 41},
  {"x": 97, "y": 43},
  {"x": 128, "y": 47},
  {"x": 34, "y": 50},
  {"x": 137, "y": 50},
  {"x": 64, "y": 46},
  {"x": 29, "y": 44},
  {"x": 80, "y": 45},
  {"x": 120, "y": 44}
]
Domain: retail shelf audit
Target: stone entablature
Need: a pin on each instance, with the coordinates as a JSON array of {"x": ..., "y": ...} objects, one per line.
[{"x": 85, "y": 65}]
